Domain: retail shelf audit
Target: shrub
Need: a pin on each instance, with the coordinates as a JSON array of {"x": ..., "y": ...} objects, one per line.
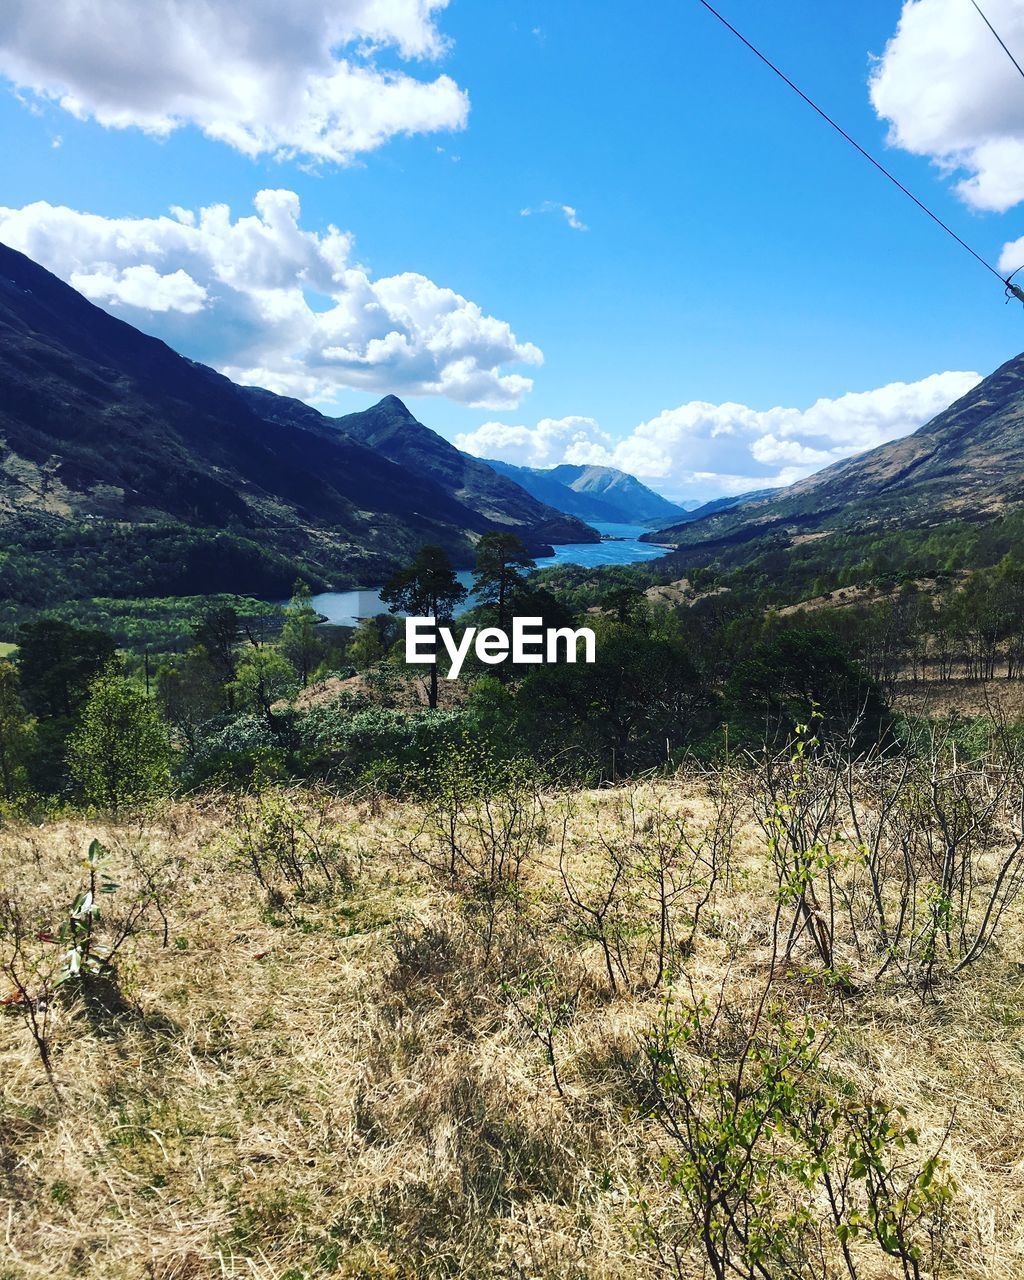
[{"x": 120, "y": 752}]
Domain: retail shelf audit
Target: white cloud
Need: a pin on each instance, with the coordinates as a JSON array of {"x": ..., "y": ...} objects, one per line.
[
  {"x": 265, "y": 76},
  {"x": 272, "y": 304},
  {"x": 702, "y": 450},
  {"x": 950, "y": 93},
  {"x": 551, "y": 441},
  {"x": 567, "y": 211},
  {"x": 142, "y": 287},
  {"x": 1012, "y": 258}
]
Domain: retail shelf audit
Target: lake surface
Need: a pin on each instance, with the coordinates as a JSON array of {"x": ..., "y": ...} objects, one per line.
[{"x": 345, "y": 608}]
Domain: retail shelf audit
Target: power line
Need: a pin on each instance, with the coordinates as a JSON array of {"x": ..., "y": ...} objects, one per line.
[
  {"x": 852, "y": 141},
  {"x": 998, "y": 37}
]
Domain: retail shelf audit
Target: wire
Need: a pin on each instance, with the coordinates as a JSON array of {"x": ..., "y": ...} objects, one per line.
[
  {"x": 852, "y": 141},
  {"x": 998, "y": 37}
]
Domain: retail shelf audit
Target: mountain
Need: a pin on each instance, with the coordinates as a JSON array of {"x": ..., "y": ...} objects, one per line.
[
  {"x": 126, "y": 469},
  {"x": 703, "y": 509},
  {"x": 593, "y": 493},
  {"x": 966, "y": 464},
  {"x": 392, "y": 430}
]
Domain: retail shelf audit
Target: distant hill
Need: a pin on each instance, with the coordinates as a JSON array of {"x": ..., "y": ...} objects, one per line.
[
  {"x": 708, "y": 509},
  {"x": 391, "y": 429},
  {"x": 967, "y": 464},
  {"x": 593, "y": 493},
  {"x": 126, "y": 469}
]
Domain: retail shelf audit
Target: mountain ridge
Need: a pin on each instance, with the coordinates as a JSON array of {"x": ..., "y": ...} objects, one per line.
[
  {"x": 126, "y": 467},
  {"x": 965, "y": 463},
  {"x": 593, "y": 492}
]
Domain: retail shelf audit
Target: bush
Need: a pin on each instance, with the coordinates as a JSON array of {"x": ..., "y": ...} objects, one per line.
[{"x": 120, "y": 753}]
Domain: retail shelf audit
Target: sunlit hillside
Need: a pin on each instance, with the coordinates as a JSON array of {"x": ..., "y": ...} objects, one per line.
[{"x": 757, "y": 1021}]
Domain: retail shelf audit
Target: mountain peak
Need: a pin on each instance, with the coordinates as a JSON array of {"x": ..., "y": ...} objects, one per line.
[{"x": 393, "y": 405}]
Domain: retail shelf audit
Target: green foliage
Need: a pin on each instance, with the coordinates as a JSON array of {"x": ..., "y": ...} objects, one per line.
[
  {"x": 114, "y": 560},
  {"x": 300, "y": 641},
  {"x": 83, "y": 955},
  {"x": 190, "y": 693},
  {"x": 17, "y": 735},
  {"x": 263, "y": 676},
  {"x": 800, "y": 674},
  {"x": 120, "y": 753},
  {"x": 502, "y": 563},
  {"x": 427, "y": 588},
  {"x": 164, "y": 624},
  {"x": 642, "y": 698},
  {"x": 776, "y": 1171},
  {"x": 395, "y": 748},
  {"x": 366, "y": 646},
  {"x": 58, "y": 662}
]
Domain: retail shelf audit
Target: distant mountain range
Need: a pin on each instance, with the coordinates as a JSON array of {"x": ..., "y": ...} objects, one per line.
[
  {"x": 966, "y": 464},
  {"x": 716, "y": 505},
  {"x": 128, "y": 469},
  {"x": 593, "y": 493}
]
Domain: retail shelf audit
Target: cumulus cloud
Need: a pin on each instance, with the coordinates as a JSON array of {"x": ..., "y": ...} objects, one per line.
[
  {"x": 950, "y": 93},
  {"x": 702, "y": 450},
  {"x": 272, "y": 304},
  {"x": 284, "y": 77},
  {"x": 567, "y": 211},
  {"x": 551, "y": 441}
]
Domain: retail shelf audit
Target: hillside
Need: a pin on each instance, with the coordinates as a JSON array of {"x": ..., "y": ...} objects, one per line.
[
  {"x": 967, "y": 464},
  {"x": 356, "y": 1069},
  {"x": 593, "y": 493},
  {"x": 126, "y": 469},
  {"x": 391, "y": 429}
]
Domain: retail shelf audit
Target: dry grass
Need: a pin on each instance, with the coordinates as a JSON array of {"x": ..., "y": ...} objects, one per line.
[
  {"x": 335, "y": 1082},
  {"x": 1000, "y": 700}
]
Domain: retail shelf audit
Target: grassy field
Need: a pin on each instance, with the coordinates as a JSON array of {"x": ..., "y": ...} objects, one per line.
[
  {"x": 7, "y": 649},
  {"x": 362, "y": 1038}
]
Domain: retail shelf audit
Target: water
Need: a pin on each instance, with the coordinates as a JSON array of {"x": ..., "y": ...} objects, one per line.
[{"x": 345, "y": 608}]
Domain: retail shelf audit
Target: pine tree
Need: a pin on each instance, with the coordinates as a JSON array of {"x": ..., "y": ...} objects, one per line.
[
  {"x": 502, "y": 563},
  {"x": 428, "y": 588}
]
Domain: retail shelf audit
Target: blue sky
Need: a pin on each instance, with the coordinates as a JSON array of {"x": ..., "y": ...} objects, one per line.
[{"x": 731, "y": 253}]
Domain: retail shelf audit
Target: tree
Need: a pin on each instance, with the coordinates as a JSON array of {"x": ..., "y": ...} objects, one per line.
[
  {"x": 803, "y": 674},
  {"x": 427, "y": 588},
  {"x": 57, "y": 664},
  {"x": 365, "y": 647},
  {"x": 190, "y": 692},
  {"x": 120, "y": 752},
  {"x": 643, "y": 690},
  {"x": 265, "y": 676},
  {"x": 301, "y": 643},
  {"x": 15, "y": 733},
  {"x": 626, "y": 603},
  {"x": 502, "y": 563},
  {"x": 218, "y": 634}
]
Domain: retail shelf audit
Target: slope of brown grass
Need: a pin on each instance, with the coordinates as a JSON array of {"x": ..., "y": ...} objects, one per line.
[{"x": 345, "y": 1077}]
